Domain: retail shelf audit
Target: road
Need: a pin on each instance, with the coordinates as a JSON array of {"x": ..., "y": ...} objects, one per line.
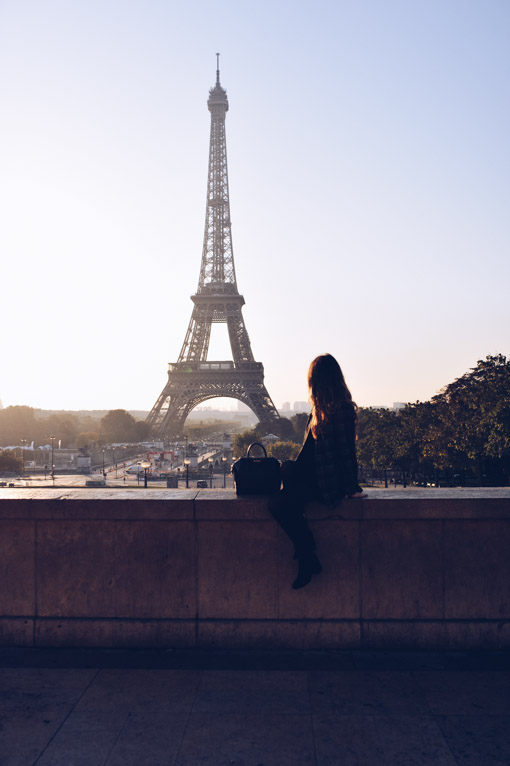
[{"x": 122, "y": 480}]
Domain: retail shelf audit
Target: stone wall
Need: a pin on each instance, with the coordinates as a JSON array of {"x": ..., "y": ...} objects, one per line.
[{"x": 173, "y": 568}]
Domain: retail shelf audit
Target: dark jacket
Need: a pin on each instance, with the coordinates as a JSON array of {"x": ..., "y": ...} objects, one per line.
[{"x": 336, "y": 467}]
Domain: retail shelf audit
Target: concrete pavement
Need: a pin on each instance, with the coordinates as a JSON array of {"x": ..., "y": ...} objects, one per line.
[{"x": 71, "y": 707}]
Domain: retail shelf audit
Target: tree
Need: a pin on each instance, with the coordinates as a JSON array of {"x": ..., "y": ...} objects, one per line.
[
  {"x": 413, "y": 422},
  {"x": 282, "y": 428},
  {"x": 64, "y": 426},
  {"x": 9, "y": 463},
  {"x": 118, "y": 426},
  {"x": 86, "y": 439},
  {"x": 17, "y": 423},
  {"x": 377, "y": 437},
  {"x": 474, "y": 413},
  {"x": 242, "y": 441},
  {"x": 283, "y": 450},
  {"x": 299, "y": 421},
  {"x": 141, "y": 430}
]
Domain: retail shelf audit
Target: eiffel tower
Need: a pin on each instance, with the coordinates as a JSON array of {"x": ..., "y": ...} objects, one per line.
[{"x": 193, "y": 379}]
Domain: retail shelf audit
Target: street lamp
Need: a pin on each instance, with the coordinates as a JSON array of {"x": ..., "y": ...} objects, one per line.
[
  {"x": 187, "y": 461},
  {"x": 103, "y": 463},
  {"x": 52, "y": 440},
  {"x": 210, "y": 461},
  {"x": 145, "y": 465},
  {"x": 113, "y": 450},
  {"x": 224, "y": 461},
  {"x": 23, "y": 442}
]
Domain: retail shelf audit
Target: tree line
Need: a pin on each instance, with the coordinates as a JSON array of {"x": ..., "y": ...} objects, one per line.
[
  {"x": 71, "y": 429},
  {"x": 462, "y": 435}
]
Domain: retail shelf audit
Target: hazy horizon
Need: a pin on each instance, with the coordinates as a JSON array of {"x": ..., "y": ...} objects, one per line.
[{"x": 369, "y": 184}]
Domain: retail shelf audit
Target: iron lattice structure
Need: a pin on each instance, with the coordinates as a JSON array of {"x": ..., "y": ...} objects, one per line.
[{"x": 193, "y": 379}]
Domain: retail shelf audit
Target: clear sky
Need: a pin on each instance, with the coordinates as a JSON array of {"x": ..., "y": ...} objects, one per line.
[{"x": 368, "y": 150}]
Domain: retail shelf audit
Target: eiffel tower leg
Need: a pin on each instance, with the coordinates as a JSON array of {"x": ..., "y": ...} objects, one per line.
[
  {"x": 169, "y": 413},
  {"x": 254, "y": 394},
  {"x": 238, "y": 335},
  {"x": 173, "y": 422},
  {"x": 262, "y": 405},
  {"x": 196, "y": 342}
]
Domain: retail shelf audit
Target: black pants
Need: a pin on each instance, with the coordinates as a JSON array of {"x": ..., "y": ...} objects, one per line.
[{"x": 288, "y": 508}]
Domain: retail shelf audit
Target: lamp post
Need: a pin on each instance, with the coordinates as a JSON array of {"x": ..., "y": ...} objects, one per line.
[
  {"x": 52, "y": 440},
  {"x": 23, "y": 442},
  {"x": 145, "y": 465},
  {"x": 187, "y": 461},
  {"x": 224, "y": 461},
  {"x": 103, "y": 463},
  {"x": 113, "y": 450},
  {"x": 210, "y": 461}
]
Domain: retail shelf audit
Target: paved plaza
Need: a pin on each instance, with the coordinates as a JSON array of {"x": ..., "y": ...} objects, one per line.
[{"x": 63, "y": 707}]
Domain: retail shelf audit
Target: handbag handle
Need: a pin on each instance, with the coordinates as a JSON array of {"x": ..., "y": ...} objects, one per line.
[{"x": 256, "y": 444}]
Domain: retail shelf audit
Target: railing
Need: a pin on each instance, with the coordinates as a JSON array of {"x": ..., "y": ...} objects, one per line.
[{"x": 186, "y": 367}]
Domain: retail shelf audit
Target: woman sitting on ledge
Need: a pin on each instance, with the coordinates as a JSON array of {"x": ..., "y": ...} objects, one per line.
[{"x": 325, "y": 468}]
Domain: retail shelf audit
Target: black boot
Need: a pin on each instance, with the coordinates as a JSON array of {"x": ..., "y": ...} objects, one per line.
[
  {"x": 315, "y": 563},
  {"x": 288, "y": 511},
  {"x": 309, "y": 565},
  {"x": 304, "y": 574}
]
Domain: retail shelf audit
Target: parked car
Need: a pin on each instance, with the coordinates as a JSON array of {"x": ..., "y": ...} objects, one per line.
[
  {"x": 202, "y": 484},
  {"x": 135, "y": 469}
]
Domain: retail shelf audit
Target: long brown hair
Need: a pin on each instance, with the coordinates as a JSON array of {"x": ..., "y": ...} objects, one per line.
[{"x": 328, "y": 390}]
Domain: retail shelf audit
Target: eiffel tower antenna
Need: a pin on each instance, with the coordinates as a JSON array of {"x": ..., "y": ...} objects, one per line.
[{"x": 193, "y": 378}]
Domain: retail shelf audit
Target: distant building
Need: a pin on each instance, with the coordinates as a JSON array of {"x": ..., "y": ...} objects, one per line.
[
  {"x": 157, "y": 445},
  {"x": 301, "y": 407},
  {"x": 398, "y": 405},
  {"x": 83, "y": 463},
  {"x": 286, "y": 407}
]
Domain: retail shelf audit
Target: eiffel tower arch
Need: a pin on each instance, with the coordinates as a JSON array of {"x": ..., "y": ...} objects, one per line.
[{"x": 194, "y": 379}]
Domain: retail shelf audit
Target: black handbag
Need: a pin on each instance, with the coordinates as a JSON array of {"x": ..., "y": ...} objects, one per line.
[{"x": 256, "y": 475}]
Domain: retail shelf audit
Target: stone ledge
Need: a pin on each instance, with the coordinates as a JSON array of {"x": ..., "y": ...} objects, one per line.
[
  {"x": 156, "y": 568},
  {"x": 29, "y": 503}
]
